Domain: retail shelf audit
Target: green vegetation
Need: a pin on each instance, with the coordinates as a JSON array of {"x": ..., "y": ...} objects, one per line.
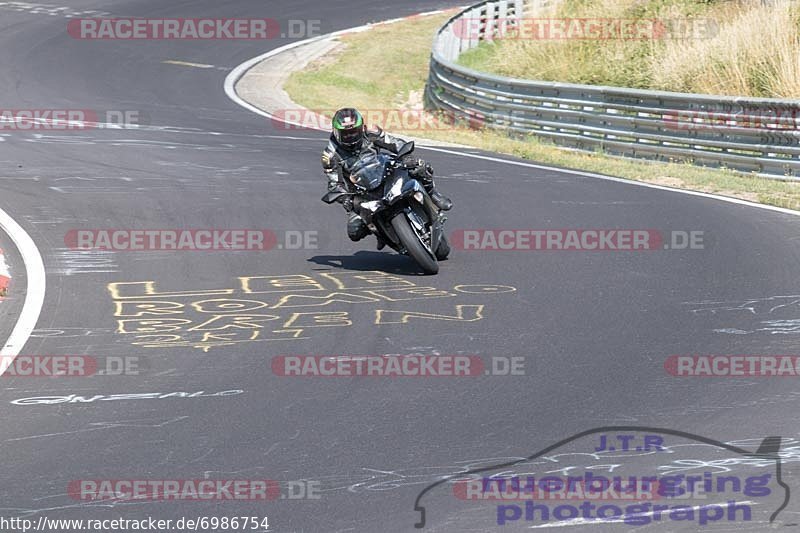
[
  {"x": 386, "y": 68},
  {"x": 740, "y": 48}
]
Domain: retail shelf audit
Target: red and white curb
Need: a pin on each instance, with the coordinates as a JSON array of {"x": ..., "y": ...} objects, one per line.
[
  {"x": 34, "y": 290},
  {"x": 5, "y": 275}
]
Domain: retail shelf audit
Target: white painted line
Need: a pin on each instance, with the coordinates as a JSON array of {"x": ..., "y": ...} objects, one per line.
[
  {"x": 5, "y": 275},
  {"x": 236, "y": 74},
  {"x": 34, "y": 297},
  {"x": 620, "y": 180},
  {"x": 186, "y": 64},
  {"x": 241, "y": 70}
]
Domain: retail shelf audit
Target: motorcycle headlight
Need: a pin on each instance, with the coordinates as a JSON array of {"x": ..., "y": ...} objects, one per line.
[
  {"x": 371, "y": 206},
  {"x": 396, "y": 189}
]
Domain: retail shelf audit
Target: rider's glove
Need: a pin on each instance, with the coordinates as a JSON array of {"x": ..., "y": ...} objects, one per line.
[
  {"x": 347, "y": 203},
  {"x": 421, "y": 169},
  {"x": 412, "y": 163}
]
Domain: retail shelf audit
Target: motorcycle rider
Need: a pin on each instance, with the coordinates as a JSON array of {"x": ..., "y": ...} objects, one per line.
[{"x": 349, "y": 138}]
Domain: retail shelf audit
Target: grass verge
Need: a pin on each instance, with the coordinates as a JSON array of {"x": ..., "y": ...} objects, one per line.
[
  {"x": 742, "y": 48},
  {"x": 386, "y": 68}
]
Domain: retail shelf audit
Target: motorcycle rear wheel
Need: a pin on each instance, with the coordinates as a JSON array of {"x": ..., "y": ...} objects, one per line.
[{"x": 443, "y": 250}]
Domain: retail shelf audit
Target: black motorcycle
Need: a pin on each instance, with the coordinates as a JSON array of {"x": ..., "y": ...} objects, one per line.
[{"x": 396, "y": 207}]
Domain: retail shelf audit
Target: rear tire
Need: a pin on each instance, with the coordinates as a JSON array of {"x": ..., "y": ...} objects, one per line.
[
  {"x": 413, "y": 245},
  {"x": 443, "y": 251}
]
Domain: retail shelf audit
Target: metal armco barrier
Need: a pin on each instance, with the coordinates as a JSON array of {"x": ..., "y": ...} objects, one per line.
[{"x": 757, "y": 135}]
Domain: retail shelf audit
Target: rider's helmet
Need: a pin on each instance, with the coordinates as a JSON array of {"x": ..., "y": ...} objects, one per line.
[{"x": 349, "y": 129}]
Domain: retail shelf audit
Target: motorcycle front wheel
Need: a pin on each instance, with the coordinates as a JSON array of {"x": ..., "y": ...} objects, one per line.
[{"x": 413, "y": 244}]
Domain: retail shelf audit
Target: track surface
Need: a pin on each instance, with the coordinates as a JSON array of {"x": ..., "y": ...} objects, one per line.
[{"x": 594, "y": 328}]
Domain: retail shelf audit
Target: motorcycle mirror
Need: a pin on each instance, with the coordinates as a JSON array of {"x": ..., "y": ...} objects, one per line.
[
  {"x": 406, "y": 149},
  {"x": 333, "y": 196}
]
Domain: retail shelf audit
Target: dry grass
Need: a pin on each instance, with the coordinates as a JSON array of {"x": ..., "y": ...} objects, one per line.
[
  {"x": 736, "y": 48},
  {"x": 757, "y": 53},
  {"x": 358, "y": 77},
  {"x": 399, "y": 64}
]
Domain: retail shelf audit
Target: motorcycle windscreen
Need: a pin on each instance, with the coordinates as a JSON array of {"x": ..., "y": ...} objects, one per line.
[{"x": 369, "y": 170}]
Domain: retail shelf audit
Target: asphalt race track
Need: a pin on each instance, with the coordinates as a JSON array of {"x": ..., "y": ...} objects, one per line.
[{"x": 594, "y": 328}]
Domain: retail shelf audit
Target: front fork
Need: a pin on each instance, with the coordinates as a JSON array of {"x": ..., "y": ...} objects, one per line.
[
  {"x": 418, "y": 206},
  {"x": 431, "y": 236}
]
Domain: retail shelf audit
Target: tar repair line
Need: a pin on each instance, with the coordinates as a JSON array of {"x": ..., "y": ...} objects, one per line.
[
  {"x": 237, "y": 73},
  {"x": 34, "y": 296}
]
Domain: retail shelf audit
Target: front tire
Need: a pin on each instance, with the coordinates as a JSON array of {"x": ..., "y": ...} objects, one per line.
[{"x": 413, "y": 244}]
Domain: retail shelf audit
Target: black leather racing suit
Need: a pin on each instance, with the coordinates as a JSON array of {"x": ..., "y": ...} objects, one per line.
[{"x": 335, "y": 156}]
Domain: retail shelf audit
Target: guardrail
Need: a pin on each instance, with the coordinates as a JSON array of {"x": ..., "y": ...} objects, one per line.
[{"x": 757, "y": 135}]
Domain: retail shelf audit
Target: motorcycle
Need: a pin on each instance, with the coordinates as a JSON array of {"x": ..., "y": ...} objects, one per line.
[{"x": 396, "y": 207}]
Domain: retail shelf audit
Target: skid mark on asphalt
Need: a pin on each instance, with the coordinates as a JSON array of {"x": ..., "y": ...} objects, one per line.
[
  {"x": 49, "y": 9},
  {"x": 45, "y": 333},
  {"x": 773, "y": 315},
  {"x": 576, "y": 202},
  {"x": 243, "y": 170},
  {"x": 147, "y": 143},
  {"x": 98, "y": 426},
  {"x": 89, "y": 185},
  {"x": 755, "y": 306},
  {"x": 67, "y": 262},
  {"x": 106, "y": 190},
  {"x": 51, "y": 221},
  {"x": 677, "y": 459}
]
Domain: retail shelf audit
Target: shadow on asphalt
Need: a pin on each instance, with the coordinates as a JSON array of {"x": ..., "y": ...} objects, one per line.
[{"x": 368, "y": 260}]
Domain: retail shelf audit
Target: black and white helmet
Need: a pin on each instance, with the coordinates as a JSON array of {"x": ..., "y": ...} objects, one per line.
[{"x": 349, "y": 129}]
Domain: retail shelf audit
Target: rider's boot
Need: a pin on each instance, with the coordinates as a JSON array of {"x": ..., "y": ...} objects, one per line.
[
  {"x": 356, "y": 228},
  {"x": 425, "y": 175}
]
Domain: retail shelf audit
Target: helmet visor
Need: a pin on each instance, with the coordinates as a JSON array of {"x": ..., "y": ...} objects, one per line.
[
  {"x": 348, "y": 127},
  {"x": 350, "y": 136}
]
